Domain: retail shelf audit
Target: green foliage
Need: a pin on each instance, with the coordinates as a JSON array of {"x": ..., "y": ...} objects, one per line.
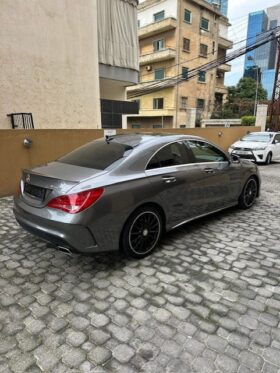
[
  {"x": 248, "y": 120},
  {"x": 246, "y": 89}
]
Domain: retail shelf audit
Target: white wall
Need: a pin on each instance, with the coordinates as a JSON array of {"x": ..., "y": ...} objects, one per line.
[
  {"x": 146, "y": 16},
  {"x": 49, "y": 62},
  {"x": 223, "y": 30}
]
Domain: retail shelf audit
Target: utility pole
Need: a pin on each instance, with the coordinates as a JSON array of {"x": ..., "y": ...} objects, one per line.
[{"x": 274, "y": 107}]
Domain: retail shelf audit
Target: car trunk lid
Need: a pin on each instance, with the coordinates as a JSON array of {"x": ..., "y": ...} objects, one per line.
[{"x": 41, "y": 184}]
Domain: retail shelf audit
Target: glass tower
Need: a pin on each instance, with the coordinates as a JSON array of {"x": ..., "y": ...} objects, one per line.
[
  {"x": 222, "y": 4},
  {"x": 261, "y": 61}
]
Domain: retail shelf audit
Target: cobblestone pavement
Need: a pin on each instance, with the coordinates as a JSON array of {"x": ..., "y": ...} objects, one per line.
[{"x": 208, "y": 300}]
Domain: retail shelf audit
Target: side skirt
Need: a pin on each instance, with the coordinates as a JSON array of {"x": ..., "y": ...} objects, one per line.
[{"x": 201, "y": 216}]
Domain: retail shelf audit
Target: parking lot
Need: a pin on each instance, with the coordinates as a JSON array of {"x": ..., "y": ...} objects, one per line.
[{"x": 208, "y": 299}]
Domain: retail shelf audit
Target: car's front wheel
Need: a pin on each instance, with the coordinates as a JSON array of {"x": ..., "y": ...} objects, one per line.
[
  {"x": 268, "y": 158},
  {"x": 141, "y": 232},
  {"x": 249, "y": 194}
]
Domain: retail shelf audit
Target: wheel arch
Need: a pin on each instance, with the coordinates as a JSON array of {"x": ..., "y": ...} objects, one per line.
[{"x": 156, "y": 206}]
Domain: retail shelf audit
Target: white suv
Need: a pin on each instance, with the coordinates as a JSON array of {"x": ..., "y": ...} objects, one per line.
[{"x": 260, "y": 147}]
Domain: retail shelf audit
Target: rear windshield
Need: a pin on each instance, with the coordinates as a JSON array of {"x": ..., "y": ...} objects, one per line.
[{"x": 98, "y": 155}]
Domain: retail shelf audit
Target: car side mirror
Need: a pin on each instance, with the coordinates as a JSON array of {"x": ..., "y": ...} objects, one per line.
[{"x": 235, "y": 158}]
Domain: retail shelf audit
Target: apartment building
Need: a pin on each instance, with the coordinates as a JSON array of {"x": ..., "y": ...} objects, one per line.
[
  {"x": 63, "y": 67},
  {"x": 176, "y": 36}
]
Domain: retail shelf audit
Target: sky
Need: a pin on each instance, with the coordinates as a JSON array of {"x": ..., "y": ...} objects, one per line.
[{"x": 238, "y": 15}]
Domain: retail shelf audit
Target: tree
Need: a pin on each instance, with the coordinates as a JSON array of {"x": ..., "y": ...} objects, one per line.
[
  {"x": 241, "y": 99},
  {"x": 246, "y": 89}
]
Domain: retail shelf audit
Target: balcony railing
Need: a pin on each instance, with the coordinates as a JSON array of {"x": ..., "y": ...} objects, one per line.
[
  {"x": 157, "y": 27},
  {"x": 160, "y": 55}
]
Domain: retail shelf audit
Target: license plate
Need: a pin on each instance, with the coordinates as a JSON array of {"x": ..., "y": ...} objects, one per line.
[
  {"x": 242, "y": 152},
  {"x": 34, "y": 191}
]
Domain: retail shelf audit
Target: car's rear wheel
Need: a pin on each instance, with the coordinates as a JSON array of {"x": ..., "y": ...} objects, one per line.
[
  {"x": 141, "y": 232},
  {"x": 249, "y": 194},
  {"x": 268, "y": 158}
]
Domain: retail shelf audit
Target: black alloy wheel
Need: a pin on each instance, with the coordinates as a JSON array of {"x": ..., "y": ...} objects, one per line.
[
  {"x": 249, "y": 193},
  {"x": 142, "y": 232}
]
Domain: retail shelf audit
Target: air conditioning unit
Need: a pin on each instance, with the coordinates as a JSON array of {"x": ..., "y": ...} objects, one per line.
[{"x": 149, "y": 68}]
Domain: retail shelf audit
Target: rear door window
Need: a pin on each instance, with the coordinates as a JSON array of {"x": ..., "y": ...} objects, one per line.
[
  {"x": 170, "y": 155},
  {"x": 204, "y": 152},
  {"x": 98, "y": 154}
]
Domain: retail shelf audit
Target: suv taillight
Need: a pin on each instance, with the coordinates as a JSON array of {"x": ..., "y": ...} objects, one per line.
[{"x": 77, "y": 202}]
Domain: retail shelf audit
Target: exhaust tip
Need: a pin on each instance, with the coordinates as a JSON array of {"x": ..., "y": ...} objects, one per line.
[{"x": 65, "y": 250}]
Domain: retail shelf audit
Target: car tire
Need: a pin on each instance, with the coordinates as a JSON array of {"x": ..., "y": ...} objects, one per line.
[
  {"x": 142, "y": 232},
  {"x": 249, "y": 194},
  {"x": 268, "y": 158}
]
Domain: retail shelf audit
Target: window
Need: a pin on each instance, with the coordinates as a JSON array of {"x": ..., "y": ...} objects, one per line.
[
  {"x": 277, "y": 138},
  {"x": 159, "y": 74},
  {"x": 203, "y": 50},
  {"x": 159, "y": 16},
  {"x": 171, "y": 155},
  {"x": 158, "y": 45},
  {"x": 200, "y": 103},
  {"x": 204, "y": 24},
  {"x": 135, "y": 126},
  {"x": 186, "y": 44},
  {"x": 97, "y": 154},
  {"x": 187, "y": 16},
  {"x": 184, "y": 102},
  {"x": 202, "y": 77},
  {"x": 204, "y": 152},
  {"x": 158, "y": 103},
  {"x": 185, "y": 72},
  {"x": 157, "y": 126}
]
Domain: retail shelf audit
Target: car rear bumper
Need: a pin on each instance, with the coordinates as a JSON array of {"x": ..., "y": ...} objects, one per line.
[{"x": 76, "y": 238}]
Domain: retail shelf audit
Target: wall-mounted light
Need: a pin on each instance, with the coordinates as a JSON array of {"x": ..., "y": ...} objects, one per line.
[
  {"x": 220, "y": 134},
  {"x": 27, "y": 143}
]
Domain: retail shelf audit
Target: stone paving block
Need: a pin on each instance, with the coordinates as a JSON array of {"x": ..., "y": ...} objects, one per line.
[
  {"x": 251, "y": 360},
  {"x": 123, "y": 353},
  {"x": 99, "y": 355}
]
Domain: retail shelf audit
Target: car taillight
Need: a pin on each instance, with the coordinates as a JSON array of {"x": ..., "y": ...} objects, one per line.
[{"x": 74, "y": 203}]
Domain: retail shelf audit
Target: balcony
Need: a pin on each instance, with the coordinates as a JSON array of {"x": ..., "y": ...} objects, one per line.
[
  {"x": 224, "y": 43},
  {"x": 149, "y": 87},
  {"x": 221, "y": 89},
  {"x": 157, "y": 56},
  {"x": 157, "y": 27},
  {"x": 225, "y": 68}
]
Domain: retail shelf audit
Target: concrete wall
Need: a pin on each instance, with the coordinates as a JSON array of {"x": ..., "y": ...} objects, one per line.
[
  {"x": 146, "y": 16},
  {"x": 48, "y": 145},
  {"x": 49, "y": 62}
]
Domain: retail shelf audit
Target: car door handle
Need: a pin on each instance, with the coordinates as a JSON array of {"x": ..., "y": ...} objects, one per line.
[
  {"x": 209, "y": 170},
  {"x": 169, "y": 179}
]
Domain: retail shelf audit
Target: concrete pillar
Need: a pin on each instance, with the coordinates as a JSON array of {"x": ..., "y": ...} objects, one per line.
[
  {"x": 261, "y": 116},
  {"x": 191, "y": 117}
]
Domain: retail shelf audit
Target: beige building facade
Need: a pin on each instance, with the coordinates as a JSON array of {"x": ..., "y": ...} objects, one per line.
[
  {"x": 175, "y": 38},
  {"x": 61, "y": 62}
]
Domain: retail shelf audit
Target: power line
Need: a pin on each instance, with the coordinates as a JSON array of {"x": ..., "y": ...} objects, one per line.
[{"x": 267, "y": 37}]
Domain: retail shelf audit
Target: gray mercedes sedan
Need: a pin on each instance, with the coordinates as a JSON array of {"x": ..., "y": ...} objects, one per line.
[{"x": 123, "y": 192}]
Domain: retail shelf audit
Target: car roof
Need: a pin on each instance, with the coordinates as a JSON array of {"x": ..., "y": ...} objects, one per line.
[
  {"x": 263, "y": 133},
  {"x": 135, "y": 139}
]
